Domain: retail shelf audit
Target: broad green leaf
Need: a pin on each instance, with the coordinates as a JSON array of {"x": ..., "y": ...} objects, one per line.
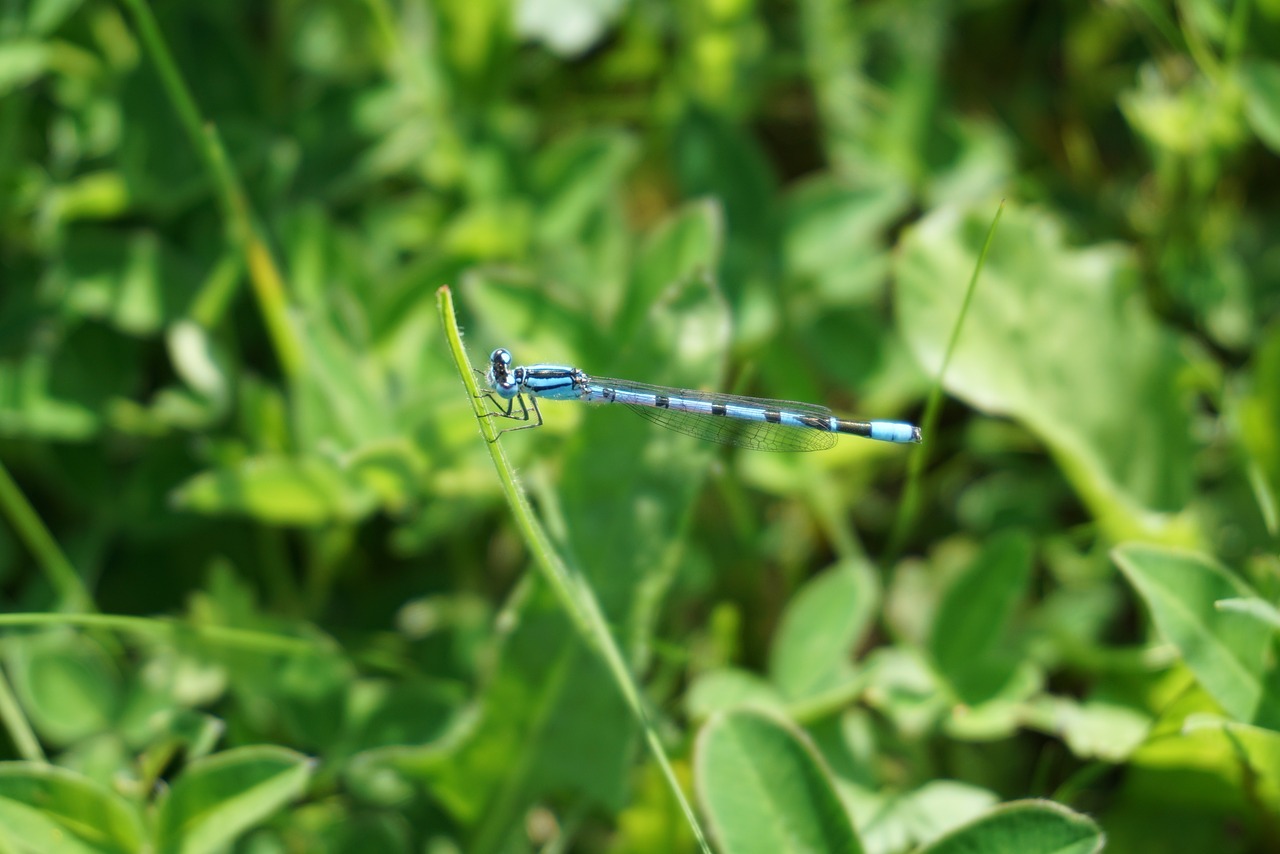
[
  {"x": 1259, "y": 609},
  {"x": 1225, "y": 650},
  {"x": 765, "y": 789},
  {"x": 60, "y": 389},
  {"x": 44, "y": 808},
  {"x": 683, "y": 246},
  {"x": 729, "y": 688},
  {"x": 1198, "y": 775},
  {"x": 899, "y": 822},
  {"x": 1111, "y": 411},
  {"x": 904, "y": 688},
  {"x": 132, "y": 281},
  {"x": 1023, "y": 827},
  {"x": 820, "y": 629},
  {"x": 1261, "y": 83},
  {"x": 69, "y": 686},
  {"x": 576, "y": 177},
  {"x": 218, "y": 798},
  {"x": 546, "y": 708},
  {"x": 344, "y": 394},
  {"x": 1002, "y": 694},
  {"x": 972, "y": 620},
  {"x": 391, "y": 469},
  {"x": 833, "y": 233},
  {"x": 1255, "y": 749},
  {"x": 717, "y": 159},
  {"x": 279, "y": 490},
  {"x": 1187, "y": 117},
  {"x": 27, "y": 408},
  {"x": 1093, "y": 729}
]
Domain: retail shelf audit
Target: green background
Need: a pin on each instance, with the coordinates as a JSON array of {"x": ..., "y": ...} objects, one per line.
[{"x": 260, "y": 584}]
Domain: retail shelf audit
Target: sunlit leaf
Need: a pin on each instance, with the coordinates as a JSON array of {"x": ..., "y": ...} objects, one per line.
[
  {"x": 1024, "y": 827},
  {"x": 45, "y": 808},
  {"x": 217, "y": 799},
  {"x": 68, "y": 684},
  {"x": 765, "y": 789},
  {"x": 823, "y": 623},
  {"x": 728, "y": 688},
  {"x": 1110, "y": 411},
  {"x": 972, "y": 622},
  {"x": 567, "y": 27},
  {"x": 282, "y": 490},
  {"x": 1225, "y": 650}
]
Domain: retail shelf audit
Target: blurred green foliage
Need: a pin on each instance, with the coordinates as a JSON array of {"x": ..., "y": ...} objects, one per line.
[{"x": 226, "y": 397}]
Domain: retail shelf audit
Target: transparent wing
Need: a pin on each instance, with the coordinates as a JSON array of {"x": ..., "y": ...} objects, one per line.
[{"x": 753, "y": 435}]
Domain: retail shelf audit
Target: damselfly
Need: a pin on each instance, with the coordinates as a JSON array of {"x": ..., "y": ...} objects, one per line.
[{"x": 730, "y": 419}]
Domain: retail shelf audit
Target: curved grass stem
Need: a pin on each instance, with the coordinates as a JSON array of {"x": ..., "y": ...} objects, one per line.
[
  {"x": 909, "y": 507},
  {"x": 570, "y": 587}
]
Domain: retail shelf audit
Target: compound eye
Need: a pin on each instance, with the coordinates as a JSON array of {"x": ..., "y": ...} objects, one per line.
[{"x": 500, "y": 357}]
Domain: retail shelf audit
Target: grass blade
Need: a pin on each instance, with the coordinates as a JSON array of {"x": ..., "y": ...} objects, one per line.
[
  {"x": 909, "y": 507},
  {"x": 570, "y": 589}
]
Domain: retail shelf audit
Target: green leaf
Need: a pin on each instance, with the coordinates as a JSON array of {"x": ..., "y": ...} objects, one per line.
[
  {"x": 217, "y": 799},
  {"x": 1094, "y": 729},
  {"x": 820, "y": 629},
  {"x": 833, "y": 235},
  {"x": 547, "y": 706},
  {"x": 972, "y": 620},
  {"x": 22, "y": 61},
  {"x": 1255, "y": 749},
  {"x": 897, "y": 822},
  {"x": 765, "y": 788},
  {"x": 717, "y": 159},
  {"x": 1261, "y": 83},
  {"x": 1023, "y": 827},
  {"x": 1260, "y": 609},
  {"x": 1225, "y": 651},
  {"x": 68, "y": 685},
  {"x": 1202, "y": 774},
  {"x": 278, "y": 490},
  {"x": 730, "y": 688},
  {"x": 132, "y": 281},
  {"x": 198, "y": 359},
  {"x": 577, "y": 177},
  {"x": 393, "y": 470},
  {"x": 343, "y": 394},
  {"x": 60, "y": 389},
  {"x": 1189, "y": 117},
  {"x": 45, "y": 808},
  {"x": 567, "y": 27},
  {"x": 683, "y": 246},
  {"x": 1111, "y": 411}
]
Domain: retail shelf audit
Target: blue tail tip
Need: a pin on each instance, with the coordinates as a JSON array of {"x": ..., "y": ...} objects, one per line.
[{"x": 895, "y": 431}]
